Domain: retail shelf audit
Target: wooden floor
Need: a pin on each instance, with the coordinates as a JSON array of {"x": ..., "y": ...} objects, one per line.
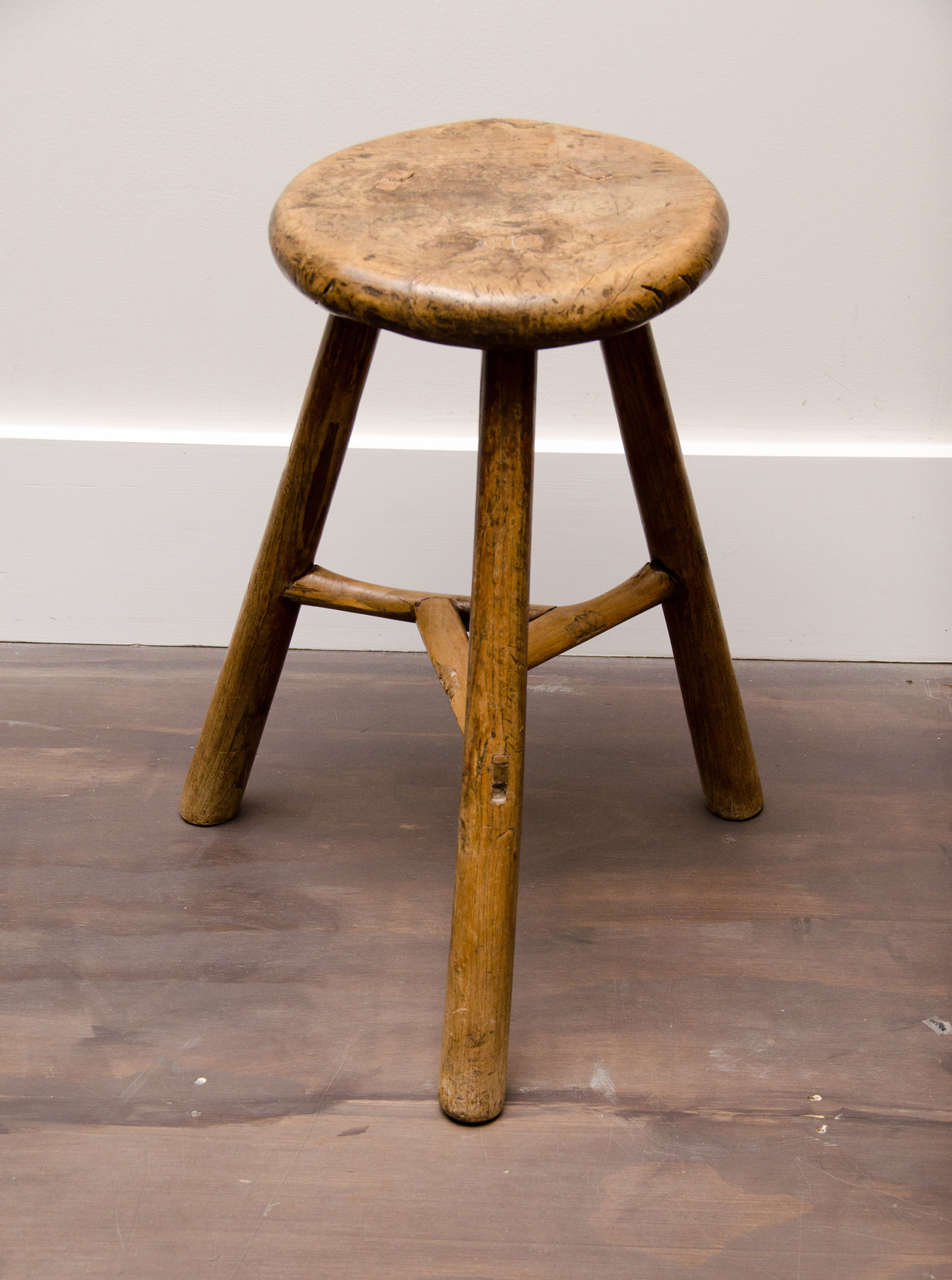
[{"x": 218, "y": 1047}]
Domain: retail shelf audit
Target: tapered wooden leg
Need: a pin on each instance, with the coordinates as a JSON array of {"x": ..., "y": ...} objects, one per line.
[
  {"x": 239, "y": 707},
  {"x": 479, "y": 987},
  {"x": 712, "y": 700}
]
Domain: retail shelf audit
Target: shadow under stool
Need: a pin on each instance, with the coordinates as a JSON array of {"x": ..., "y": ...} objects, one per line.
[{"x": 508, "y": 236}]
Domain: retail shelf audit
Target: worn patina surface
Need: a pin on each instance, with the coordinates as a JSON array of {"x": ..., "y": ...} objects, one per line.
[{"x": 500, "y": 233}]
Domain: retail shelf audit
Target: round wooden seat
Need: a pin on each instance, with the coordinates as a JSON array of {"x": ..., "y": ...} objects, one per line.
[{"x": 499, "y": 233}]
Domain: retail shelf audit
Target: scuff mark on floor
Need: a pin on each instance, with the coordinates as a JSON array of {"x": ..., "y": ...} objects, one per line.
[
  {"x": 941, "y": 1026},
  {"x": 601, "y": 1082}
]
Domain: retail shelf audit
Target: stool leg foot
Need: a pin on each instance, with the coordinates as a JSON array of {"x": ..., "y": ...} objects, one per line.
[
  {"x": 479, "y": 985},
  {"x": 242, "y": 698},
  {"x": 712, "y": 700}
]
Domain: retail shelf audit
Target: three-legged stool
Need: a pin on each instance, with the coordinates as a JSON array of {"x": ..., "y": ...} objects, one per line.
[{"x": 506, "y": 235}]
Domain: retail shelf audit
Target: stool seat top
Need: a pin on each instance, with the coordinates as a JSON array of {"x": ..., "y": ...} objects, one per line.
[{"x": 492, "y": 233}]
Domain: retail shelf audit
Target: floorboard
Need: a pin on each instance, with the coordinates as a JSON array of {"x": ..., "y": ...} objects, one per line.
[{"x": 218, "y": 1047}]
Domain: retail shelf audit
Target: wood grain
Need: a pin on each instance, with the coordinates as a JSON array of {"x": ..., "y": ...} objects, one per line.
[
  {"x": 683, "y": 988},
  {"x": 448, "y": 646},
  {"x": 479, "y": 982},
  {"x": 499, "y": 233},
  {"x": 329, "y": 590},
  {"x": 566, "y": 626},
  {"x": 239, "y": 707},
  {"x": 388, "y": 1189},
  {"x": 712, "y": 702}
]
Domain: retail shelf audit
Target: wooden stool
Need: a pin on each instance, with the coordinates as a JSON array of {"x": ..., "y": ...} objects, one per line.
[{"x": 507, "y": 235}]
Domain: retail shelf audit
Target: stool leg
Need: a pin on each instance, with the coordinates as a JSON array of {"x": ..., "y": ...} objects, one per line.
[
  {"x": 242, "y": 698},
  {"x": 712, "y": 700},
  {"x": 479, "y": 985}
]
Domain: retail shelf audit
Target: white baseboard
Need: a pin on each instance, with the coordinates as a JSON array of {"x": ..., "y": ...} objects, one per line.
[{"x": 815, "y": 557}]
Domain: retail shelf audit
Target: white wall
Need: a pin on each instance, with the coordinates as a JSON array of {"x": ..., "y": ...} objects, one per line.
[
  {"x": 149, "y": 142},
  {"x": 152, "y": 543}
]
